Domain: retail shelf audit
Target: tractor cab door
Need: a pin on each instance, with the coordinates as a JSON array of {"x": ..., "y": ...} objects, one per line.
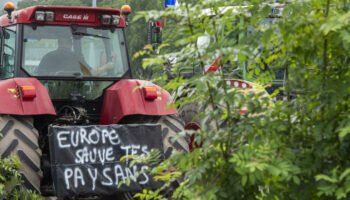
[{"x": 8, "y": 44}]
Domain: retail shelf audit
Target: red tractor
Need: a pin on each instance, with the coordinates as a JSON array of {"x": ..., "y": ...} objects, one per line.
[{"x": 69, "y": 106}]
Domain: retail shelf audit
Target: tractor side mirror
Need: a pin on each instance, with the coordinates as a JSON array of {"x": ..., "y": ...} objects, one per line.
[{"x": 155, "y": 33}]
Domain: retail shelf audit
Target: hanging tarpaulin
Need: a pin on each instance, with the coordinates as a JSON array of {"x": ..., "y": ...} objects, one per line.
[
  {"x": 86, "y": 159},
  {"x": 169, "y": 3}
]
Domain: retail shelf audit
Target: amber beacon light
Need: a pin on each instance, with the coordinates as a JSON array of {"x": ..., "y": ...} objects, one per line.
[
  {"x": 9, "y": 8},
  {"x": 9, "y": 5},
  {"x": 126, "y": 9}
]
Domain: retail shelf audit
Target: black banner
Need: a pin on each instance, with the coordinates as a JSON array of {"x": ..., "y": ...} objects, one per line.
[{"x": 86, "y": 159}]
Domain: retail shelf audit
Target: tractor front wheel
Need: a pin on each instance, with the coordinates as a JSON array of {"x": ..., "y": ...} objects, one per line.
[{"x": 20, "y": 138}]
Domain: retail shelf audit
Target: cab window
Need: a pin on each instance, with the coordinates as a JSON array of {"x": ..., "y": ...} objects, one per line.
[{"x": 8, "y": 54}]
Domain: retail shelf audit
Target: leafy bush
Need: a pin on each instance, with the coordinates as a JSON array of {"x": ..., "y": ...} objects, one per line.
[
  {"x": 10, "y": 181},
  {"x": 283, "y": 150}
]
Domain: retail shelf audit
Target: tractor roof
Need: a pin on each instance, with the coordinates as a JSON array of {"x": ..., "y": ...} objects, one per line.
[{"x": 63, "y": 15}]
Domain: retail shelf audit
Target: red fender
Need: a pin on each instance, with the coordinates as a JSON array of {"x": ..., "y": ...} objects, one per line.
[
  {"x": 126, "y": 97},
  {"x": 24, "y": 96}
]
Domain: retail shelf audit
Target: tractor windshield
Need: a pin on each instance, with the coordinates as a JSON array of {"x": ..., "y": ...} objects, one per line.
[{"x": 74, "y": 51}]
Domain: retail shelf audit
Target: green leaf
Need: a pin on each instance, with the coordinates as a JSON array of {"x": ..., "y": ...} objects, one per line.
[
  {"x": 344, "y": 132},
  {"x": 340, "y": 193},
  {"x": 344, "y": 174},
  {"x": 296, "y": 180},
  {"x": 326, "y": 178},
  {"x": 244, "y": 180}
]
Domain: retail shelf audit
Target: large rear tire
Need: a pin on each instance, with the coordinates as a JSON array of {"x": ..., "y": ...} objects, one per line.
[
  {"x": 171, "y": 125},
  {"x": 19, "y": 137}
]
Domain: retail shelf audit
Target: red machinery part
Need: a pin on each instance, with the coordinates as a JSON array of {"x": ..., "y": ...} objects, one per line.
[
  {"x": 238, "y": 83},
  {"x": 24, "y": 96},
  {"x": 215, "y": 66},
  {"x": 193, "y": 126},
  {"x": 158, "y": 24},
  {"x": 127, "y": 97}
]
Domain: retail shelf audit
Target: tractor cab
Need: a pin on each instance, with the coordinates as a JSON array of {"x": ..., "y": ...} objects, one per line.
[{"x": 60, "y": 43}]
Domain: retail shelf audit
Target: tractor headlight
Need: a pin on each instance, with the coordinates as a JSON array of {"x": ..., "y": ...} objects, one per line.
[
  {"x": 45, "y": 16},
  {"x": 49, "y": 16},
  {"x": 106, "y": 19},
  {"x": 40, "y": 16},
  {"x": 115, "y": 19}
]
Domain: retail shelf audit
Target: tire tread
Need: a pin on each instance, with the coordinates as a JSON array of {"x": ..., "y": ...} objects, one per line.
[
  {"x": 9, "y": 149},
  {"x": 21, "y": 138},
  {"x": 6, "y": 129}
]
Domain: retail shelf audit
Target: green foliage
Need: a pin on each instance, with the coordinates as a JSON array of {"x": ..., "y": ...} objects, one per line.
[
  {"x": 10, "y": 181},
  {"x": 276, "y": 150}
]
